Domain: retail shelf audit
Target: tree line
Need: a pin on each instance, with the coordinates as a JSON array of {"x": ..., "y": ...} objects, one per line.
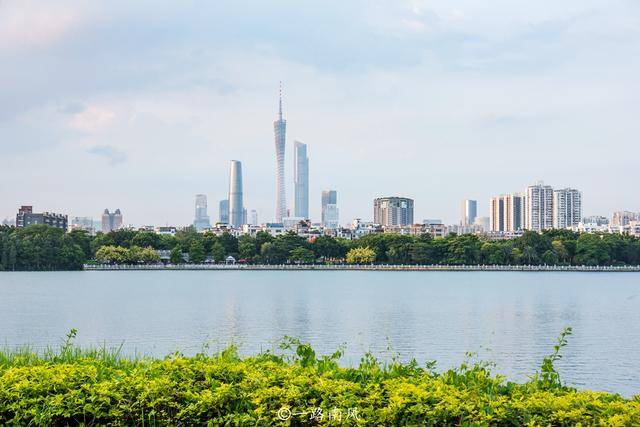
[{"x": 41, "y": 247}]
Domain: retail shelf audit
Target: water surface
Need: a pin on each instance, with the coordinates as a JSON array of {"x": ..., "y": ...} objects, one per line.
[{"x": 510, "y": 318}]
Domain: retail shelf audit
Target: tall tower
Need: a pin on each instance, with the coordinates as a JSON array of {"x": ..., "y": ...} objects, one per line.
[
  {"x": 301, "y": 180},
  {"x": 468, "y": 212},
  {"x": 280, "y": 129},
  {"x": 236, "y": 208}
]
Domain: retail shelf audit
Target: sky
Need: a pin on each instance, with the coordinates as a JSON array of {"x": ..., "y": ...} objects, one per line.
[{"x": 141, "y": 105}]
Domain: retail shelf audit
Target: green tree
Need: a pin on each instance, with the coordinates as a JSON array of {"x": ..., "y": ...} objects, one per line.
[
  {"x": 272, "y": 253},
  {"x": 328, "y": 248},
  {"x": 196, "y": 252},
  {"x": 302, "y": 255},
  {"x": 112, "y": 255},
  {"x": 550, "y": 257},
  {"x": 176, "y": 255},
  {"x": 560, "y": 249},
  {"x": 146, "y": 239},
  {"x": 149, "y": 255},
  {"x": 218, "y": 253},
  {"x": 591, "y": 249},
  {"x": 247, "y": 250}
]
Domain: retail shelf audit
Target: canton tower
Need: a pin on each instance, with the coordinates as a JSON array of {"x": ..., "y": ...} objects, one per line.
[{"x": 279, "y": 128}]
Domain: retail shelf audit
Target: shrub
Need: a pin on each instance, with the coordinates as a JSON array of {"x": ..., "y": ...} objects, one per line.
[{"x": 73, "y": 386}]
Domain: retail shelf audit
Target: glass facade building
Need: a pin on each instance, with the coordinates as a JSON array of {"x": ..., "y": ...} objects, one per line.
[
  {"x": 236, "y": 208},
  {"x": 301, "y": 180}
]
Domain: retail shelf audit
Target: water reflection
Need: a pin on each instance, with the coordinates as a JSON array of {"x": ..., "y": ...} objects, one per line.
[{"x": 509, "y": 318}]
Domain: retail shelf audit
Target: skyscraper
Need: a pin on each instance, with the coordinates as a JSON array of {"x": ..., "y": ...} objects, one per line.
[
  {"x": 254, "y": 217},
  {"x": 330, "y": 213},
  {"x": 567, "y": 207},
  {"x": 539, "y": 207},
  {"x": 393, "y": 211},
  {"x": 280, "y": 128},
  {"x": 468, "y": 212},
  {"x": 201, "y": 220},
  {"x": 506, "y": 213},
  {"x": 111, "y": 221},
  {"x": 223, "y": 209},
  {"x": 236, "y": 208},
  {"x": 301, "y": 180}
]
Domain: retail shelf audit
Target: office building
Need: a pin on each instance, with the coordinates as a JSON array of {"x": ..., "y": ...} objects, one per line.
[
  {"x": 26, "y": 217},
  {"x": 623, "y": 218},
  {"x": 432, "y": 221},
  {"x": 597, "y": 220},
  {"x": 301, "y": 180},
  {"x": 539, "y": 207},
  {"x": 567, "y": 208},
  {"x": 280, "y": 128},
  {"x": 84, "y": 223},
  {"x": 468, "y": 212},
  {"x": 483, "y": 223},
  {"x": 201, "y": 220},
  {"x": 111, "y": 221},
  {"x": 393, "y": 211},
  {"x": 254, "y": 217},
  {"x": 506, "y": 213},
  {"x": 223, "y": 211},
  {"x": 329, "y": 213},
  {"x": 236, "y": 208}
]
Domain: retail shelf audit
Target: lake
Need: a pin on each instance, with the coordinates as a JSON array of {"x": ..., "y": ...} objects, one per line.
[{"x": 510, "y": 318}]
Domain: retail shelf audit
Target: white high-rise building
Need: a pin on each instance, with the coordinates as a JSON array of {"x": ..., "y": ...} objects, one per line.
[
  {"x": 237, "y": 215},
  {"x": 539, "y": 207},
  {"x": 567, "y": 207}
]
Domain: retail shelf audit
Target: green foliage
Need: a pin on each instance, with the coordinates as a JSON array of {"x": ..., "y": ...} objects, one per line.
[
  {"x": 176, "y": 255},
  {"x": 196, "y": 252},
  {"x": 40, "y": 247},
  {"x": 549, "y": 378},
  {"x": 591, "y": 249},
  {"x": 302, "y": 255},
  {"x": 361, "y": 256},
  {"x": 120, "y": 255},
  {"x": 72, "y": 386},
  {"x": 44, "y": 248}
]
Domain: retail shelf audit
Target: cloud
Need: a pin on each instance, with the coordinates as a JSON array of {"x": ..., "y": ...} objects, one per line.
[
  {"x": 28, "y": 24},
  {"x": 92, "y": 119},
  {"x": 112, "y": 155}
]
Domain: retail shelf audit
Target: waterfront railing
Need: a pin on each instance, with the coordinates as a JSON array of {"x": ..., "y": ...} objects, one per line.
[{"x": 374, "y": 267}]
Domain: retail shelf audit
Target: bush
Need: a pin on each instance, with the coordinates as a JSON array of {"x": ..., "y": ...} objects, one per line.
[{"x": 73, "y": 386}]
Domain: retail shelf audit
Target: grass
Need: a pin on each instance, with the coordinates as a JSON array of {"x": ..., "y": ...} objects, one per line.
[{"x": 294, "y": 386}]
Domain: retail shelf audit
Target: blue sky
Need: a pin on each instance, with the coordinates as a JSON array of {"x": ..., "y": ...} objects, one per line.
[{"x": 141, "y": 105}]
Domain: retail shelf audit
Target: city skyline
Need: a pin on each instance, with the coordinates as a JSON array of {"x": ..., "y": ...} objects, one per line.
[{"x": 401, "y": 80}]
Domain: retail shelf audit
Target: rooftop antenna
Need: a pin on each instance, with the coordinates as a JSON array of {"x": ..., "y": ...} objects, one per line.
[{"x": 280, "y": 102}]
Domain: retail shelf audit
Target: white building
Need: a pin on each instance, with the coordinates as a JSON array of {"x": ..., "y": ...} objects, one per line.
[
  {"x": 567, "y": 207},
  {"x": 539, "y": 207}
]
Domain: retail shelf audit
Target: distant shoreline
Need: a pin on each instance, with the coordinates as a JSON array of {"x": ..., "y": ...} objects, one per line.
[{"x": 373, "y": 267}]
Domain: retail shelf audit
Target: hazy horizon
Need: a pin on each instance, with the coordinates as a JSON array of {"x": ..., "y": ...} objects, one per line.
[{"x": 142, "y": 106}]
